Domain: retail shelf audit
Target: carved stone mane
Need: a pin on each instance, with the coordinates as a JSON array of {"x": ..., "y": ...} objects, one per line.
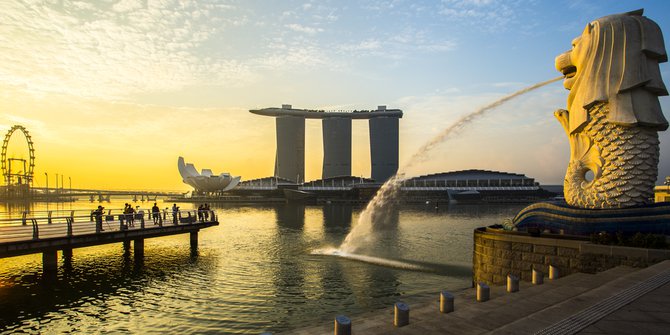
[{"x": 613, "y": 111}]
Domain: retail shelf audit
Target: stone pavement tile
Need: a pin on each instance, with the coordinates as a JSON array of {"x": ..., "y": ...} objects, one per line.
[
  {"x": 653, "y": 306},
  {"x": 372, "y": 328},
  {"x": 521, "y": 327},
  {"x": 455, "y": 325},
  {"x": 663, "y": 316},
  {"x": 628, "y": 313},
  {"x": 627, "y": 327},
  {"x": 557, "y": 294},
  {"x": 497, "y": 318},
  {"x": 415, "y": 328},
  {"x": 591, "y": 331}
]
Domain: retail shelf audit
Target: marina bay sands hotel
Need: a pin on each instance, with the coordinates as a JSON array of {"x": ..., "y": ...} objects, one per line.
[{"x": 336, "y": 125}]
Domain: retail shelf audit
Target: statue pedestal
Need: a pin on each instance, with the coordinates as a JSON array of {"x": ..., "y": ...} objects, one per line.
[{"x": 560, "y": 218}]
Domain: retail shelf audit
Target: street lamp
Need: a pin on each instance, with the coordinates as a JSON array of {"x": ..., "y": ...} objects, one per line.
[{"x": 47, "y": 189}]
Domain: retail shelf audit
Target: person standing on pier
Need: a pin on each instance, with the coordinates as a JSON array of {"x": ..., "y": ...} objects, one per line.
[
  {"x": 98, "y": 219},
  {"x": 129, "y": 211},
  {"x": 175, "y": 213},
  {"x": 206, "y": 212},
  {"x": 155, "y": 214},
  {"x": 201, "y": 214}
]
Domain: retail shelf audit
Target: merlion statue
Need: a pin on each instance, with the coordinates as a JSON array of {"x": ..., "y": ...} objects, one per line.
[{"x": 613, "y": 114}]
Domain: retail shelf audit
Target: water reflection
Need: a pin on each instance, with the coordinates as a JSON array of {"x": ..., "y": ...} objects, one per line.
[
  {"x": 86, "y": 281},
  {"x": 337, "y": 216},
  {"x": 290, "y": 215}
]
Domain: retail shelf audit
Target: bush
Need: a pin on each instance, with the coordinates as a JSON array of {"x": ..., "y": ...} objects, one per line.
[{"x": 639, "y": 240}]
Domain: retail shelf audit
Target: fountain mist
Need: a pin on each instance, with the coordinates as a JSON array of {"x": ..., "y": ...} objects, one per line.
[{"x": 373, "y": 218}]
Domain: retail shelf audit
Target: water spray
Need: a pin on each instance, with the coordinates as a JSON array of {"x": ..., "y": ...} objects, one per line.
[{"x": 373, "y": 217}]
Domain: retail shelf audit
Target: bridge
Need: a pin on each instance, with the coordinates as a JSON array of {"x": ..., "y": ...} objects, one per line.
[
  {"x": 71, "y": 194},
  {"x": 46, "y": 232}
]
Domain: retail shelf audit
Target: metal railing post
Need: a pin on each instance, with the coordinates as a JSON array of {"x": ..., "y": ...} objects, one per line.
[
  {"x": 72, "y": 216},
  {"x": 25, "y": 214},
  {"x": 49, "y": 218},
  {"x": 69, "y": 226},
  {"x": 36, "y": 231},
  {"x": 142, "y": 221}
]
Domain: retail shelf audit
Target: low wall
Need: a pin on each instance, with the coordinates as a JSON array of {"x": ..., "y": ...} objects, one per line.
[{"x": 497, "y": 253}]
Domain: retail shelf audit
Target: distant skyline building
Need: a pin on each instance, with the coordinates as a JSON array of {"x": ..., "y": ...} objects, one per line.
[
  {"x": 336, "y": 147},
  {"x": 384, "y": 147},
  {"x": 290, "y": 154},
  {"x": 336, "y": 127},
  {"x": 205, "y": 181}
]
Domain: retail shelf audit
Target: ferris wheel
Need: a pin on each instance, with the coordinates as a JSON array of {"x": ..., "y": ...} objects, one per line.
[{"x": 12, "y": 174}]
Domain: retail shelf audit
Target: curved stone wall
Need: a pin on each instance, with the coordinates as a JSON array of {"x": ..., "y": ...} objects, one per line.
[{"x": 498, "y": 253}]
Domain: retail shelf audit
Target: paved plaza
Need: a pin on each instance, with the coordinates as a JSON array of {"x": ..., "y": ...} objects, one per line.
[{"x": 622, "y": 300}]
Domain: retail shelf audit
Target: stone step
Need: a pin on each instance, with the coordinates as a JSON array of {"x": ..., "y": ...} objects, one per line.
[
  {"x": 592, "y": 303},
  {"x": 503, "y": 310}
]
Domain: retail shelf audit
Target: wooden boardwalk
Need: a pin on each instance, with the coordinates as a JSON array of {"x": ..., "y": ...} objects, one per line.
[{"x": 46, "y": 234}]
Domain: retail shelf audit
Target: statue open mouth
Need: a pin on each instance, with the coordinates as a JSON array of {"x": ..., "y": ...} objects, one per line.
[
  {"x": 567, "y": 68},
  {"x": 569, "y": 71}
]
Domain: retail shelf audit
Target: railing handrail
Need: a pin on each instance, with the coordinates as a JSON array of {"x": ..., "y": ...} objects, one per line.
[
  {"x": 89, "y": 215},
  {"x": 180, "y": 217}
]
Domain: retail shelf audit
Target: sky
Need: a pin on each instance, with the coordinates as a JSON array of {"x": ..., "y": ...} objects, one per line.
[{"x": 113, "y": 92}]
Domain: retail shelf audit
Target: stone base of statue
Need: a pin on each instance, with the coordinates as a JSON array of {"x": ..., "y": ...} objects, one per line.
[{"x": 561, "y": 218}]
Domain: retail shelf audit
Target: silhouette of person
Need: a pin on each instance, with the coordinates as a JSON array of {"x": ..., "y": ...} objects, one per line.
[
  {"x": 206, "y": 212},
  {"x": 98, "y": 219},
  {"x": 201, "y": 214},
  {"x": 175, "y": 213},
  {"x": 155, "y": 213}
]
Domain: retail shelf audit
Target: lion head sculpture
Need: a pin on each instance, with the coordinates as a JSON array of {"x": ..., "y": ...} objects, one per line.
[{"x": 615, "y": 61}]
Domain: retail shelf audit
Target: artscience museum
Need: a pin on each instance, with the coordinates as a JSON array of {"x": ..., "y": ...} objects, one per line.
[{"x": 205, "y": 181}]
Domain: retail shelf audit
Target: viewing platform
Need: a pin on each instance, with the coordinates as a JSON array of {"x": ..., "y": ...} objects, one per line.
[
  {"x": 48, "y": 232},
  {"x": 621, "y": 300}
]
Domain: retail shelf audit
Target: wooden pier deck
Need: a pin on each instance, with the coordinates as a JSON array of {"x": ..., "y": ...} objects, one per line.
[{"x": 46, "y": 233}]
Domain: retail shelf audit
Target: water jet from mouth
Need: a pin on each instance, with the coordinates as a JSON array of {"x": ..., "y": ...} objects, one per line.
[{"x": 374, "y": 216}]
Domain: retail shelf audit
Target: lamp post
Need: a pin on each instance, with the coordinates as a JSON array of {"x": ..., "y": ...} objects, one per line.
[
  {"x": 46, "y": 191},
  {"x": 56, "y": 182}
]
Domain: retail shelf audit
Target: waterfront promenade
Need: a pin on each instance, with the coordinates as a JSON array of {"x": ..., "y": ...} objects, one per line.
[{"x": 622, "y": 300}]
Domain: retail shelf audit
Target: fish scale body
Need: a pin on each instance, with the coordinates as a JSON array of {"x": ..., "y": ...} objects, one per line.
[{"x": 629, "y": 156}]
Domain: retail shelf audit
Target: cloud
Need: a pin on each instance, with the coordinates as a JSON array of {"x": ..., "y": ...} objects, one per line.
[
  {"x": 127, "y": 5},
  {"x": 304, "y": 29},
  {"x": 112, "y": 52},
  {"x": 485, "y": 15},
  {"x": 398, "y": 45}
]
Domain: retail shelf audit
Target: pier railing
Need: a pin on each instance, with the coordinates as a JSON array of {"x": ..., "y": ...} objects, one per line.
[{"x": 60, "y": 223}]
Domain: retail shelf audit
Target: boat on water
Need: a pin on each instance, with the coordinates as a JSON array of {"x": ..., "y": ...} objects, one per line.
[{"x": 298, "y": 195}]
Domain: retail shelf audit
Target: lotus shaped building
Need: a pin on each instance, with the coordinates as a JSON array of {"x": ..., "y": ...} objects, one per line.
[{"x": 205, "y": 181}]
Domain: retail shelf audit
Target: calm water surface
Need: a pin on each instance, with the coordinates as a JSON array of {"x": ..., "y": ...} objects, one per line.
[{"x": 253, "y": 273}]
